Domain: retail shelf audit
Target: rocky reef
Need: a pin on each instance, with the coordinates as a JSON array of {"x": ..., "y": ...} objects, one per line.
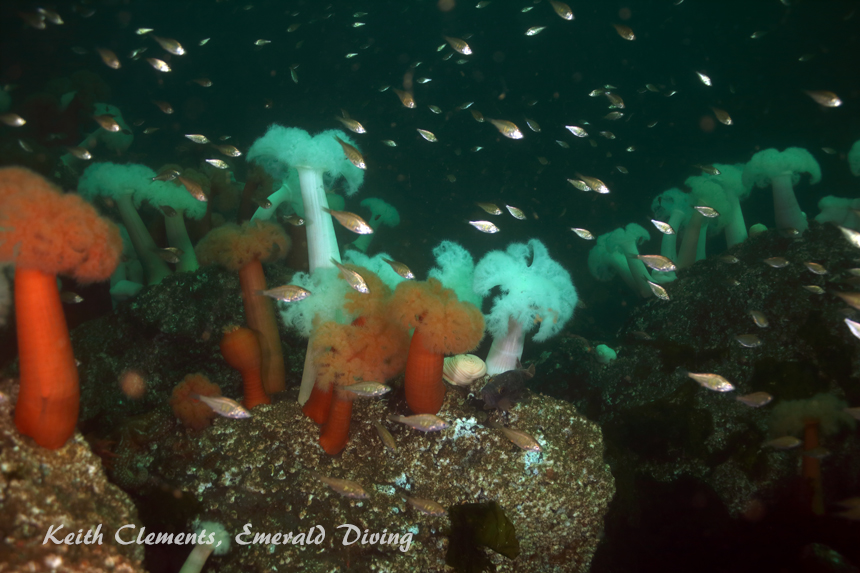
[{"x": 41, "y": 490}]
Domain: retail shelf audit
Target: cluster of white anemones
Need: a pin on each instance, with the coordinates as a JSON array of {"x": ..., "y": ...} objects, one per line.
[{"x": 463, "y": 369}]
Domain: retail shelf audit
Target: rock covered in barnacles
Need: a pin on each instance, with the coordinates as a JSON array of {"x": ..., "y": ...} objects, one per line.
[
  {"x": 257, "y": 471},
  {"x": 42, "y": 489}
]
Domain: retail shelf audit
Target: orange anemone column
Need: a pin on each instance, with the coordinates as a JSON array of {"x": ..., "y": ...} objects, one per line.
[
  {"x": 425, "y": 390},
  {"x": 318, "y": 406},
  {"x": 812, "y": 466},
  {"x": 335, "y": 431},
  {"x": 49, "y": 396},
  {"x": 260, "y": 314},
  {"x": 241, "y": 350}
]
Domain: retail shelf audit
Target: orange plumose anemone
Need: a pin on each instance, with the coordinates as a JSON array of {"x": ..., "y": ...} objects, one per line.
[
  {"x": 244, "y": 248},
  {"x": 372, "y": 347},
  {"x": 443, "y": 325},
  {"x": 192, "y": 412},
  {"x": 45, "y": 232}
]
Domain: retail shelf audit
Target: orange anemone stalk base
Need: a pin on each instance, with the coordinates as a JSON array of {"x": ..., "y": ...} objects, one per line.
[
  {"x": 241, "y": 350},
  {"x": 812, "y": 467},
  {"x": 318, "y": 406},
  {"x": 260, "y": 314},
  {"x": 335, "y": 431},
  {"x": 49, "y": 397},
  {"x": 425, "y": 390}
]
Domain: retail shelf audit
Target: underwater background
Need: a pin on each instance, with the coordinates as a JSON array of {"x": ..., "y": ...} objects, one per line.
[{"x": 663, "y": 474}]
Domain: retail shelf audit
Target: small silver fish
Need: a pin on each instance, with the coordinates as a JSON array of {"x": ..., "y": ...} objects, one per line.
[
  {"x": 294, "y": 220},
  {"x": 583, "y": 233},
  {"x": 854, "y": 327},
  {"x": 756, "y": 399},
  {"x": 107, "y": 122},
  {"x": 351, "y": 221},
  {"x": 581, "y": 185},
  {"x": 658, "y": 290},
  {"x": 594, "y": 184},
  {"x": 490, "y": 208},
  {"x": 663, "y": 227},
  {"x": 352, "y": 154},
  {"x": 170, "y": 255},
  {"x": 759, "y": 318},
  {"x": 518, "y": 438},
  {"x": 228, "y": 150},
  {"x": 562, "y": 9},
  {"x": 421, "y": 422},
  {"x": 507, "y": 128},
  {"x": 706, "y": 211},
  {"x": 814, "y": 289},
  {"x": 219, "y": 163},
  {"x": 515, "y": 212},
  {"x": 816, "y": 268},
  {"x": 533, "y": 125},
  {"x": 368, "y": 389},
  {"x": 286, "y": 293},
  {"x": 355, "y": 280},
  {"x": 657, "y": 262},
  {"x": 824, "y": 97},
  {"x": 170, "y": 45},
  {"x": 709, "y": 169},
  {"x": 850, "y": 234},
  {"x": 159, "y": 65},
  {"x": 459, "y": 45},
  {"x": 223, "y": 406},
  {"x": 428, "y": 135},
  {"x": 710, "y": 381},
  {"x": 400, "y": 269},
  {"x": 783, "y": 443},
  {"x": 427, "y": 506},
  {"x": 109, "y": 58},
  {"x": 69, "y": 297},
  {"x": 351, "y": 124},
  {"x": 485, "y": 226},
  {"x": 852, "y": 299},
  {"x": 818, "y": 453},
  {"x": 776, "y": 262},
  {"x": 385, "y": 436},
  {"x": 344, "y": 487},
  {"x": 748, "y": 340},
  {"x": 80, "y": 153}
]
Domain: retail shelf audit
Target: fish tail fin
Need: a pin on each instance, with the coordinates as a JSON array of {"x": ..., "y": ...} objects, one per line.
[
  {"x": 395, "y": 417},
  {"x": 326, "y": 209}
]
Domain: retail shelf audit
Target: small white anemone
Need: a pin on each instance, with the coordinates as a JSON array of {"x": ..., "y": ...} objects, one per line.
[{"x": 463, "y": 369}]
